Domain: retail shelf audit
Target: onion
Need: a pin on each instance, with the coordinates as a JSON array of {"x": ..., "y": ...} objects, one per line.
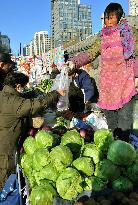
[
  {"x": 32, "y": 132},
  {"x": 46, "y": 128},
  {"x": 83, "y": 133},
  {"x": 61, "y": 104}
]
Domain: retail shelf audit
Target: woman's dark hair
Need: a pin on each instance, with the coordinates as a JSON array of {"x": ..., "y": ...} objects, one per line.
[
  {"x": 66, "y": 56},
  {"x": 114, "y": 8},
  {"x": 14, "y": 78}
]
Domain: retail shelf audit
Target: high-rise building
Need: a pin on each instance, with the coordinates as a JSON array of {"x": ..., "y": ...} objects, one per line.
[
  {"x": 31, "y": 48},
  {"x": 26, "y": 50},
  {"x": 5, "y": 43},
  {"x": 41, "y": 42},
  {"x": 70, "y": 21},
  {"x": 39, "y": 45},
  {"x": 133, "y": 7}
]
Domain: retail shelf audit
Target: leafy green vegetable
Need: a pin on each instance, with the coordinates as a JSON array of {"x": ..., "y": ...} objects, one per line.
[
  {"x": 45, "y": 85},
  {"x": 69, "y": 184},
  {"x": 94, "y": 183},
  {"x": 90, "y": 150},
  {"x": 122, "y": 184},
  {"x": 61, "y": 121},
  {"x": 31, "y": 180},
  {"x": 73, "y": 140},
  {"x": 103, "y": 138},
  {"x": 44, "y": 139},
  {"x": 42, "y": 195},
  {"x": 132, "y": 172},
  {"x": 121, "y": 153},
  {"x": 29, "y": 145},
  {"x": 48, "y": 172},
  {"x": 61, "y": 157},
  {"x": 26, "y": 164},
  {"x": 40, "y": 158},
  {"x": 106, "y": 170},
  {"x": 85, "y": 165}
]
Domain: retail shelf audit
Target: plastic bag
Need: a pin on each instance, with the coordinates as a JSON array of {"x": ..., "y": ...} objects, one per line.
[
  {"x": 62, "y": 82},
  {"x": 97, "y": 120}
]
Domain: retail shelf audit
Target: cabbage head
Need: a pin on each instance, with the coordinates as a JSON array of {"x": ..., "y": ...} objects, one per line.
[
  {"x": 90, "y": 150},
  {"x": 103, "y": 138},
  {"x": 27, "y": 164},
  {"x": 132, "y": 172},
  {"x": 42, "y": 195},
  {"x": 29, "y": 145},
  {"x": 74, "y": 141},
  {"x": 94, "y": 183},
  {"x": 48, "y": 172},
  {"x": 40, "y": 158},
  {"x": 84, "y": 165},
  {"x": 61, "y": 157},
  {"x": 121, "y": 153},
  {"x": 106, "y": 170},
  {"x": 44, "y": 139},
  {"x": 31, "y": 180},
  {"x": 122, "y": 184},
  {"x": 69, "y": 184}
]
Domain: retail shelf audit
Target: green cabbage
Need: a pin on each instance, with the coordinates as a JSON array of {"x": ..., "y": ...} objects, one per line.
[
  {"x": 69, "y": 184},
  {"x": 44, "y": 139},
  {"x": 94, "y": 183},
  {"x": 48, "y": 172},
  {"x": 103, "y": 138},
  {"x": 122, "y": 184},
  {"x": 29, "y": 145},
  {"x": 74, "y": 141},
  {"x": 84, "y": 165},
  {"x": 121, "y": 153},
  {"x": 42, "y": 195},
  {"x": 40, "y": 158},
  {"x": 132, "y": 172},
  {"x": 106, "y": 170},
  {"x": 27, "y": 164},
  {"x": 90, "y": 150},
  {"x": 31, "y": 180},
  {"x": 61, "y": 157}
]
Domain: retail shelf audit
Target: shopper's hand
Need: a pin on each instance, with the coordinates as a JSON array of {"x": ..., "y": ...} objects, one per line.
[
  {"x": 136, "y": 84},
  {"x": 61, "y": 92}
]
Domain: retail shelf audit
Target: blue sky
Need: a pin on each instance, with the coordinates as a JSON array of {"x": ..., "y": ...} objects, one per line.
[{"x": 20, "y": 19}]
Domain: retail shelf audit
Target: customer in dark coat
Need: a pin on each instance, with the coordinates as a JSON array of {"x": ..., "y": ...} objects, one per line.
[
  {"x": 14, "y": 110},
  {"x": 83, "y": 90}
]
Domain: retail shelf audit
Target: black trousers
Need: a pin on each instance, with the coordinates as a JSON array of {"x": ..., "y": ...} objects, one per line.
[{"x": 120, "y": 121}]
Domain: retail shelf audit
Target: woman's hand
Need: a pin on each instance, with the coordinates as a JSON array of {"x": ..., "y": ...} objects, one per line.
[
  {"x": 136, "y": 84},
  {"x": 61, "y": 92}
]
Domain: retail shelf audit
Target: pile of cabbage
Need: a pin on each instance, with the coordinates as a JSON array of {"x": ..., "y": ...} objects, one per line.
[{"x": 66, "y": 167}]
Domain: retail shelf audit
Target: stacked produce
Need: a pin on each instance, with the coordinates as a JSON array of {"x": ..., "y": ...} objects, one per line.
[
  {"x": 45, "y": 85},
  {"x": 65, "y": 166}
]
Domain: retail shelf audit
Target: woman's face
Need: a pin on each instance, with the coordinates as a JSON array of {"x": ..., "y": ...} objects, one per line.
[{"x": 111, "y": 20}]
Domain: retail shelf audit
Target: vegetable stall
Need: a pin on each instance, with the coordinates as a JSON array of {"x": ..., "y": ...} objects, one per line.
[
  {"x": 64, "y": 166},
  {"x": 66, "y": 161}
]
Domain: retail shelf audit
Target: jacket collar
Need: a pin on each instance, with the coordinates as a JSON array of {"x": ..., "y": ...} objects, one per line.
[{"x": 9, "y": 89}]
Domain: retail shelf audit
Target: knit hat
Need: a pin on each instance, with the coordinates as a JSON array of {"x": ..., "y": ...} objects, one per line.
[{"x": 6, "y": 58}]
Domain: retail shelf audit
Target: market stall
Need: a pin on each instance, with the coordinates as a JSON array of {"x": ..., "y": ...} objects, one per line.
[{"x": 65, "y": 163}]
